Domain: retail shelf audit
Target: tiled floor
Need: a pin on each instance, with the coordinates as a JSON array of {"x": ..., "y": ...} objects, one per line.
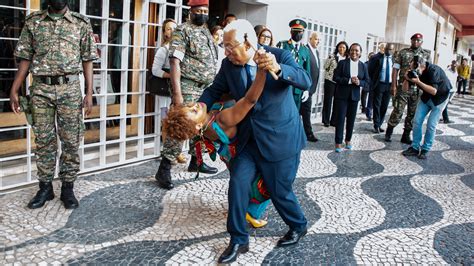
[{"x": 365, "y": 206}]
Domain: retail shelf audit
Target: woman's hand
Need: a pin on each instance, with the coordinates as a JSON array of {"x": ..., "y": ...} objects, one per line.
[{"x": 266, "y": 61}]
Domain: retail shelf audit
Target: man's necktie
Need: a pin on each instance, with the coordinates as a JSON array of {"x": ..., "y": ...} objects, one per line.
[
  {"x": 248, "y": 70},
  {"x": 296, "y": 53},
  {"x": 387, "y": 70}
]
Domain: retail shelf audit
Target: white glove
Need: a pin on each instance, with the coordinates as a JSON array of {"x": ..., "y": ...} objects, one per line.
[{"x": 305, "y": 96}]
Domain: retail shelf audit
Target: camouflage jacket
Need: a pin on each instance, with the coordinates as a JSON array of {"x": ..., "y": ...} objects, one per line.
[
  {"x": 404, "y": 57},
  {"x": 194, "y": 47},
  {"x": 56, "y": 46}
]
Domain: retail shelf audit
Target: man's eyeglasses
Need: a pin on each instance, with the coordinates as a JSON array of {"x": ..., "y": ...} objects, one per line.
[
  {"x": 229, "y": 47},
  {"x": 265, "y": 36}
]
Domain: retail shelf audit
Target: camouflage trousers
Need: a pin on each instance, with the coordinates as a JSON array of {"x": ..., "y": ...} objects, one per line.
[
  {"x": 404, "y": 98},
  {"x": 57, "y": 111},
  {"x": 172, "y": 148}
]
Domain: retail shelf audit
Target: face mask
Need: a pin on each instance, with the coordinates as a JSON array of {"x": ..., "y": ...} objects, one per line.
[
  {"x": 57, "y": 4},
  {"x": 199, "y": 19},
  {"x": 296, "y": 36}
]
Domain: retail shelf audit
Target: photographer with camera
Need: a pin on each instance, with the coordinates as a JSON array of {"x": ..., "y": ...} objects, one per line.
[
  {"x": 409, "y": 98},
  {"x": 435, "y": 85}
]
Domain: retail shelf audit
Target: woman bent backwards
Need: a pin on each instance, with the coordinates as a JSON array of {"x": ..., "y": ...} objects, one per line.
[{"x": 217, "y": 130}]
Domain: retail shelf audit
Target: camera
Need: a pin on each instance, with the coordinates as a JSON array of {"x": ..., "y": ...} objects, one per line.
[{"x": 413, "y": 73}]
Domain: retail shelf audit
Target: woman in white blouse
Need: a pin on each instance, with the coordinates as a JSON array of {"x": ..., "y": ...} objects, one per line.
[
  {"x": 161, "y": 62},
  {"x": 350, "y": 76}
]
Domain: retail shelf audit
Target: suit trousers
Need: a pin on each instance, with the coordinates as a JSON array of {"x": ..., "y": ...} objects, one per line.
[
  {"x": 346, "y": 109},
  {"x": 329, "y": 88},
  {"x": 305, "y": 112},
  {"x": 381, "y": 96},
  {"x": 364, "y": 99},
  {"x": 278, "y": 178}
]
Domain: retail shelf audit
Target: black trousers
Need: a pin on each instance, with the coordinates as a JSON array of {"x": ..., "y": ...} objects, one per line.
[
  {"x": 364, "y": 95},
  {"x": 381, "y": 96},
  {"x": 305, "y": 112},
  {"x": 346, "y": 109},
  {"x": 329, "y": 88}
]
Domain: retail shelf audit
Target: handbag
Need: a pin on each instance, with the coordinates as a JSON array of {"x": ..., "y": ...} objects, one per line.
[{"x": 158, "y": 86}]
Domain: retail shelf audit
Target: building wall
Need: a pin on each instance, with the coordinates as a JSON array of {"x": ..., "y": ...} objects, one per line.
[{"x": 368, "y": 17}]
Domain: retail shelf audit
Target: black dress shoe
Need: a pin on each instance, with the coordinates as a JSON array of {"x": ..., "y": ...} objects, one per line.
[
  {"x": 376, "y": 130},
  {"x": 326, "y": 125},
  {"x": 381, "y": 130},
  {"x": 291, "y": 238},
  {"x": 204, "y": 168},
  {"x": 231, "y": 253},
  {"x": 312, "y": 138}
]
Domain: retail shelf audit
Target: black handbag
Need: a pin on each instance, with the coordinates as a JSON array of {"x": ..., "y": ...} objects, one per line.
[{"x": 158, "y": 86}]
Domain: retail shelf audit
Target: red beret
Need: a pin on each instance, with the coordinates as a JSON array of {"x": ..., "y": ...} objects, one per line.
[
  {"x": 198, "y": 2},
  {"x": 417, "y": 36}
]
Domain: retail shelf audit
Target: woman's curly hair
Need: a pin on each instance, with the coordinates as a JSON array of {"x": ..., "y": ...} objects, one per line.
[{"x": 177, "y": 125}]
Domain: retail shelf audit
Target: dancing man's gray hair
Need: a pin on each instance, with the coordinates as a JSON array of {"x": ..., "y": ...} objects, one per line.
[{"x": 243, "y": 29}]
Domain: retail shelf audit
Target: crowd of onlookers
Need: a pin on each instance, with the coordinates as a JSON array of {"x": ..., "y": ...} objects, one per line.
[{"x": 375, "y": 83}]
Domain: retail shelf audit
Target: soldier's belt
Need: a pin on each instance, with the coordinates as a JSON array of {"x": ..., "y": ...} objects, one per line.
[
  {"x": 56, "y": 80},
  {"x": 194, "y": 83}
]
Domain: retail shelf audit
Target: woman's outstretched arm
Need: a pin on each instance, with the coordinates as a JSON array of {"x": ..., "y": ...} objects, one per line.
[{"x": 230, "y": 117}]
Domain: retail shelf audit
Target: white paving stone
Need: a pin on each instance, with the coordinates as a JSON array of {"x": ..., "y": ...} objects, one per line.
[
  {"x": 365, "y": 142},
  {"x": 395, "y": 163},
  {"x": 195, "y": 207},
  {"x": 451, "y": 193},
  {"x": 462, "y": 158},
  {"x": 344, "y": 206},
  {"x": 469, "y": 139},
  {"x": 315, "y": 164},
  {"x": 207, "y": 252},
  {"x": 449, "y": 131},
  {"x": 180, "y": 172},
  {"x": 417, "y": 243}
]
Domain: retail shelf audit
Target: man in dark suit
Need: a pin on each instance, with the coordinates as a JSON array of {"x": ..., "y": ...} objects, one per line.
[
  {"x": 380, "y": 72},
  {"x": 270, "y": 138},
  {"x": 305, "y": 109}
]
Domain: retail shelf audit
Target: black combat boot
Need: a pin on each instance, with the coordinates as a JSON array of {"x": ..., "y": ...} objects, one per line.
[
  {"x": 163, "y": 175},
  {"x": 204, "y": 168},
  {"x": 406, "y": 137},
  {"x": 388, "y": 134},
  {"x": 67, "y": 196},
  {"x": 44, "y": 194}
]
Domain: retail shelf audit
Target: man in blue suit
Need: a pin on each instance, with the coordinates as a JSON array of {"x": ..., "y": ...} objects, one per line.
[{"x": 271, "y": 137}]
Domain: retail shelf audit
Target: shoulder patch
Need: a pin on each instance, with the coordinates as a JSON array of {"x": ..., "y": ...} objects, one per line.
[
  {"x": 80, "y": 16},
  {"x": 35, "y": 14}
]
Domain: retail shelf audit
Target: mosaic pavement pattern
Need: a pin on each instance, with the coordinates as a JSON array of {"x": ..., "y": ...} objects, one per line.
[{"x": 369, "y": 205}]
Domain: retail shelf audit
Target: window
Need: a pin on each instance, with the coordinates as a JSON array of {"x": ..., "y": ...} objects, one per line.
[{"x": 124, "y": 125}]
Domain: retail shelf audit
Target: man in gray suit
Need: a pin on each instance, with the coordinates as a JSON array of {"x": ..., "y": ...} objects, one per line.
[{"x": 305, "y": 109}]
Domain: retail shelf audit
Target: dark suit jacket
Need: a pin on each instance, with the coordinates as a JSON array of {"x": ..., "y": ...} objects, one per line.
[
  {"x": 342, "y": 75},
  {"x": 314, "y": 69},
  {"x": 274, "y": 122},
  {"x": 375, "y": 66}
]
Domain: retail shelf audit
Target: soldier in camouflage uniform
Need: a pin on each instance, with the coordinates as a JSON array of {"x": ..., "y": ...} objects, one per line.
[
  {"x": 402, "y": 98},
  {"x": 193, "y": 60},
  {"x": 55, "y": 46}
]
